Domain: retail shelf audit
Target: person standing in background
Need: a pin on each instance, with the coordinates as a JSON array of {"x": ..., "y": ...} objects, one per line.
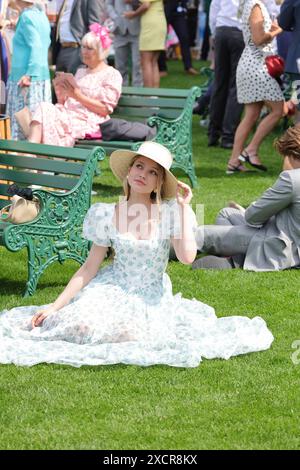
[
  {"x": 176, "y": 16},
  {"x": 29, "y": 80},
  {"x": 126, "y": 41},
  {"x": 289, "y": 20},
  {"x": 152, "y": 38},
  {"x": 73, "y": 23},
  {"x": 225, "y": 111},
  {"x": 255, "y": 86}
]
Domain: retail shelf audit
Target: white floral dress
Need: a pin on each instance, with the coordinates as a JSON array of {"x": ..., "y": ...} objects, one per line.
[
  {"x": 128, "y": 314},
  {"x": 253, "y": 81}
]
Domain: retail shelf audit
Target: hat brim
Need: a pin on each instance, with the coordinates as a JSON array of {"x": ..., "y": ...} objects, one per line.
[{"x": 120, "y": 161}]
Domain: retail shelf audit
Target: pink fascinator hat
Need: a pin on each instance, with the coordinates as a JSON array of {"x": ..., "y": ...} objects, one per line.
[{"x": 102, "y": 33}]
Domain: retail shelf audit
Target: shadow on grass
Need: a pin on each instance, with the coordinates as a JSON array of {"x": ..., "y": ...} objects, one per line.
[
  {"x": 107, "y": 190},
  {"x": 12, "y": 287},
  {"x": 207, "y": 172}
]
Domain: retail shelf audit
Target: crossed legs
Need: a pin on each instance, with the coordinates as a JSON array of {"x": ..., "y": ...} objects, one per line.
[{"x": 229, "y": 237}]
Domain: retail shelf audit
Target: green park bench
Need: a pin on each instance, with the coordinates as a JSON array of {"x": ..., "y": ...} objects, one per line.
[
  {"x": 170, "y": 111},
  {"x": 65, "y": 176}
]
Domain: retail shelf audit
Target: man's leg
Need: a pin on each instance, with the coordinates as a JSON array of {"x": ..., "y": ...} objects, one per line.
[
  {"x": 220, "y": 86},
  {"x": 137, "y": 77},
  {"x": 230, "y": 237},
  {"x": 230, "y": 216},
  {"x": 180, "y": 26},
  {"x": 233, "y": 109},
  {"x": 122, "y": 62}
]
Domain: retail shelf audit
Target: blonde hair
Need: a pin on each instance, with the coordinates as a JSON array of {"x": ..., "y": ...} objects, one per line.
[
  {"x": 91, "y": 40},
  {"x": 157, "y": 195},
  {"x": 288, "y": 145}
]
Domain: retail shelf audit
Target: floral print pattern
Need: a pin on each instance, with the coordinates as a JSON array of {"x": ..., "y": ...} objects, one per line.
[{"x": 128, "y": 313}]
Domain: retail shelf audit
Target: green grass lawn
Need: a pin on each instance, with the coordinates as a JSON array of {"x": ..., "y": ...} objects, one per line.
[{"x": 248, "y": 402}]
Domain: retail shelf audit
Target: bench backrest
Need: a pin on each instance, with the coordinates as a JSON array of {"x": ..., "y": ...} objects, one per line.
[
  {"x": 140, "y": 103},
  {"x": 56, "y": 167}
]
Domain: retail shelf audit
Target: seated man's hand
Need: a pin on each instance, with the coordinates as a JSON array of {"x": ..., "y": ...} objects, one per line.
[{"x": 237, "y": 206}]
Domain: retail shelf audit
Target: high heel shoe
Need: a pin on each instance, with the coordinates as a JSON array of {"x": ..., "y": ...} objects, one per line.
[
  {"x": 232, "y": 169},
  {"x": 245, "y": 158}
]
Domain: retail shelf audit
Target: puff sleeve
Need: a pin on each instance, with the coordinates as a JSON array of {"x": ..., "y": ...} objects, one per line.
[
  {"x": 97, "y": 224},
  {"x": 172, "y": 219}
]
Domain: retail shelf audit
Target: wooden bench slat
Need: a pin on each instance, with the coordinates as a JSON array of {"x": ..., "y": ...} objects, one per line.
[
  {"x": 40, "y": 164},
  {"x": 137, "y": 101},
  {"x": 3, "y": 189},
  {"x": 3, "y": 203},
  {"x": 161, "y": 92},
  {"x": 38, "y": 179},
  {"x": 146, "y": 112},
  {"x": 110, "y": 146},
  {"x": 69, "y": 153}
]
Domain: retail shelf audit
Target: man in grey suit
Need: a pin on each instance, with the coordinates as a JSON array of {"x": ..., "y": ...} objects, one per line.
[
  {"x": 73, "y": 23},
  {"x": 265, "y": 236},
  {"x": 126, "y": 40}
]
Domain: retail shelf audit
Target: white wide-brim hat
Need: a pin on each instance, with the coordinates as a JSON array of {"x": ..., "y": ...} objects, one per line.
[{"x": 120, "y": 161}]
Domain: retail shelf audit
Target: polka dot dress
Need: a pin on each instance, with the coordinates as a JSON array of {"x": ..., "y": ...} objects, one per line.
[{"x": 254, "y": 83}]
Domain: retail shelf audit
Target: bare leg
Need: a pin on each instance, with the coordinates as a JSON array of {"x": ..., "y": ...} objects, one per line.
[
  {"x": 156, "y": 74},
  {"x": 147, "y": 69},
  {"x": 35, "y": 133},
  {"x": 264, "y": 128},
  {"x": 252, "y": 112}
]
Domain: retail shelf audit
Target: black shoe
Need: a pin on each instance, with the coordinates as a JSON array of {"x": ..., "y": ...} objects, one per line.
[
  {"x": 213, "y": 262},
  {"x": 245, "y": 157},
  {"x": 213, "y": 142},
  {"x": 227, "y": 145},
  {"x": 198, "y": 109}
]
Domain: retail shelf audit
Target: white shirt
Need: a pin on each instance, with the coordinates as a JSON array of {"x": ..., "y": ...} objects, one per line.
[
  {"x": 65, "y": 34},
  {"x": 272, "y": 7},
  {"x": 224, "y": 13}
]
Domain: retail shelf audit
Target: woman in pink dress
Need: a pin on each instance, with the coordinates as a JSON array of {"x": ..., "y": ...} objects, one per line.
[{"x": 84, "y": 102}]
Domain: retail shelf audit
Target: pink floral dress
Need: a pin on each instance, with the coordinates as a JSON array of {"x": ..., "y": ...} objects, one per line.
[{"x": 64, "y": 123}]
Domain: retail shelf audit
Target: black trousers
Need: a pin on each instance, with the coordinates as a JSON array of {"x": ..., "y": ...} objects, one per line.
[
  {"x": 225, "y": 111},
  {"x": 180, "y": 25},
  {"x": 68, "y": 59}
]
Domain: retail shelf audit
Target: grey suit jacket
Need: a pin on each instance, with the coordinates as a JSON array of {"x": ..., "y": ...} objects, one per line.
[
  {"x": 115, "y": 10},
  {"x": 84, "y": 13},
  {"x": 289, "y": 20},
  {"x": 276, "y": 245}
]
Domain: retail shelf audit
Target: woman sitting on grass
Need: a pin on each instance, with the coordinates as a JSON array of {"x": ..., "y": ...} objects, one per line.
[
  {"x": 84, "y": 103},
  {"x": 126, "y": 312}
]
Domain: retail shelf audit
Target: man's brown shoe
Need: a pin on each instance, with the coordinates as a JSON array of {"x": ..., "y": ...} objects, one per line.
[{"x": 192, "y": 71}]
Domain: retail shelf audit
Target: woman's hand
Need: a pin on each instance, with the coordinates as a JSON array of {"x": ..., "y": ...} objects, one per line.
[
  {"x": 40, "y": 316},
  {"x": 275, "y": 29},
  {"x": 184, "y": 193},
  {"x": 129, "y": 15},
  {"x": 68, "y": 90},
  {"x": 59, "y": 91},
  {"x": 24, "y": 81}
]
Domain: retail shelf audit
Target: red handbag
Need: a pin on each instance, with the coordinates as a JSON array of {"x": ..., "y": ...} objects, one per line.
[{"x": 275, "y": 65}]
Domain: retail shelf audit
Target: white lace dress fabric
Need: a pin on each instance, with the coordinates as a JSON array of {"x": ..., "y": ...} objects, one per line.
[
  {"x": 254, "y": 84},
  {"x": 128, "y": 314}
]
